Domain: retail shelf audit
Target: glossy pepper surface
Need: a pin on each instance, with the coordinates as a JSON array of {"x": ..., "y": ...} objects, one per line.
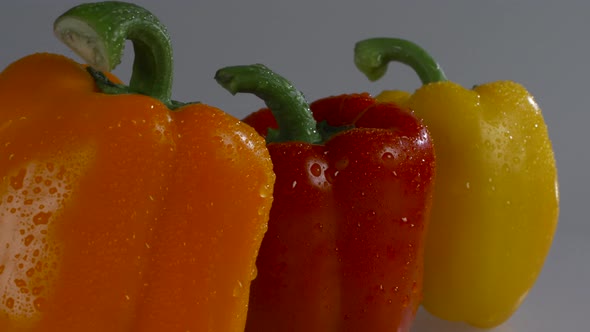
[
  {"x": 344, "y": 248},
  {"x": 496, "y": 197},
  {"x": 117, "y": 214}
]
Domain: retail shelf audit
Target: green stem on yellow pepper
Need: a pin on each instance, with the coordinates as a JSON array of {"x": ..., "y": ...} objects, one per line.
[
  {"x": 371, "y": 56},
  {"x": 287, "y": 104},
  {"x": 98, "y": 31}
]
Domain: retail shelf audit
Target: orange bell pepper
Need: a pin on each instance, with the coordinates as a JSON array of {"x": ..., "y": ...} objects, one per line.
[{"x": 117, "y": 214}]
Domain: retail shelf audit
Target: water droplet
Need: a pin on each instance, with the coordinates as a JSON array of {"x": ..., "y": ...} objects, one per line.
[
  {"x": 319, "y": 226},
  {"x": 294, "y": 184},
  {"x": 41, "y": 218},
  {"x": 16, "y": 182},
  {"x": 331, "y": 174},
  {"x": 238, "y": 289},
  {"x": 39, "y": 303},
  {"x": 9, "y": 303},
  {"x": 265, "y": 191},
  {"x": 29, "y": 239},
  {"x": 20, "y": 283},
  {"x": 404, "y": 219},
  {"x": 341, "y": 164},
  {"x": 405, "y": 301},
  {"x": 315, "y": 169},
  {"x": 467, "y": 185},
  {"x": 37, "y": 290},
  {"x": 388, "y": 159}
]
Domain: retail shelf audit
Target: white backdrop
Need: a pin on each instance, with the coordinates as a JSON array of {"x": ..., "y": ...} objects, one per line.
[{"x": 542, "y": 44}]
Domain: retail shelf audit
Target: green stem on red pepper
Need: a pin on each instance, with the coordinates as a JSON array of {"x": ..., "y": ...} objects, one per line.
[
  {"x": 98, "y": 31},
  {"x": 287, "y": 104},
  {"x": 371, "y": 56}
]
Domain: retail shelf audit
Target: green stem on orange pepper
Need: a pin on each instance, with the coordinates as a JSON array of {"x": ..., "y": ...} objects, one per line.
[{"x": 97, "y": 32}]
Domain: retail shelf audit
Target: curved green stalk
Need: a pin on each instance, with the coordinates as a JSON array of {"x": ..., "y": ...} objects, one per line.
[
  {"x": 98, "y": 31},
  {"x": 287, "y": 104},
  {"x": 371, "y": 56}
]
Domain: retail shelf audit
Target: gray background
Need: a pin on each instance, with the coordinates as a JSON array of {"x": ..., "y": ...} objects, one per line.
[{"x": 541, "y": 44}]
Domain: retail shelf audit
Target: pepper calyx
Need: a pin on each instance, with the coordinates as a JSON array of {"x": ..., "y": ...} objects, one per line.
[
  {"x": 105, "y": 85},
  {"x": 98, "y": 31}
]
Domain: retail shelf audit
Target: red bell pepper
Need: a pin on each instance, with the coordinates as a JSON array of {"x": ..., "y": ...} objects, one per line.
[{"x": 344, "y": 247}]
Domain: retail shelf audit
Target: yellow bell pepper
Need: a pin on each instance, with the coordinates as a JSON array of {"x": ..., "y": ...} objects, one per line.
[{"x": 496, "y": 199}]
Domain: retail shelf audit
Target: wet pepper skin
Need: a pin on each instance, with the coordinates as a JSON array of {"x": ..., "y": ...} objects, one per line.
[
  {"x": 496, "y": 200},
  {"x": 117, "y": 214},
  {"x": 344, "y": 248}
]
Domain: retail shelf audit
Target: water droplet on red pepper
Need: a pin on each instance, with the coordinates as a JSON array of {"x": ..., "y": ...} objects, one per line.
[
  {"x": 315, "y": 169},
  {"x": 341, "y": 164},
  {"x": 331, "y": 174}
]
